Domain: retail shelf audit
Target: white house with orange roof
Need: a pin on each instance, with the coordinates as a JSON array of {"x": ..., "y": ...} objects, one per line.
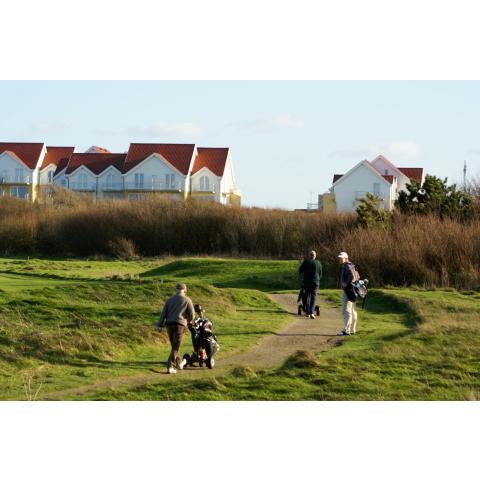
[
  {"x": 213, "y": 177},
  {"x": 179, "y": 171},
  {"x": 379, "y": 177},
  {"x": 20, "y": 165}
]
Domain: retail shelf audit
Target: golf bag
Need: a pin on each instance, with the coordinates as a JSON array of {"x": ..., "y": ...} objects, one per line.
[
  {"x": 204, "y": 342},
  {"x": 361, "y": 290},
  {"x": 302, "y": 300}
]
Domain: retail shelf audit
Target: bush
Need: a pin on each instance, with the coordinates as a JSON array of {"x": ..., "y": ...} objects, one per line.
[{"x": 421, "y": 250}]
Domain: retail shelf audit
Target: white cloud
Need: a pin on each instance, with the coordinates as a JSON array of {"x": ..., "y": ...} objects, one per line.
[
  {"x": 279, "y": 121},
  {"x": 167, "y": 130},
  {"x": 473, "y": 151},
  {"x": 398, "y": 151}
]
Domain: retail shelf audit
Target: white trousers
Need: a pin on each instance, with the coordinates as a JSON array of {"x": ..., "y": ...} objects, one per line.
[{"x": 349, "y": 312}]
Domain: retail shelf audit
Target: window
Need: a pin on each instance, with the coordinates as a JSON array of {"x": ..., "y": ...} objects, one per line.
[
  {"x": 19, "y": 175},
  {"x": 4, "y": 176},
  {"x": 50, "y": 176},
  {"x": 386, "y": 172},
  {"x": 20, "y": 192},
  {"x": 170, "y": 180},
  {"x": 204, "y": 183},
  {"x": 82, "y": 180},
  {"x": 109, "y": 181},
  {"x": 139, "y": 180},
  {"x": 376, "y": 189}
]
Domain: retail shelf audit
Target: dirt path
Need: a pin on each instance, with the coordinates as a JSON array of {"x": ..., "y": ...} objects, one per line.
[{"x": 300, "y": 333}]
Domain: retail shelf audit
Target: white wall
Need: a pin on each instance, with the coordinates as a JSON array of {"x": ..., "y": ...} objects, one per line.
[
  {"x": 382, "y": 166},
  {"x": 215, "y": 182},
  {"x": 8, "y": 164},
  {"x": 61, "y": 179},
  {"x": 228, "y": 180},
  {"x": 74, "y": 178},
  {"x": 44, "y": 174},
  {"x": 157, "y": 168},
  {"x": 360, "y": 180},
  {"x": 117, "y": 179}
]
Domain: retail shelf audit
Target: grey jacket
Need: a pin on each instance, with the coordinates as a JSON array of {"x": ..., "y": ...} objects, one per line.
[{"x": 177, "y": 309}]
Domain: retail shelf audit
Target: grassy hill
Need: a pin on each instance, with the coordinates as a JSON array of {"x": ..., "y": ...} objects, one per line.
[
  {"x": 412, "y": 345},
  {"x": 67, "y": 323},
  {"x": 60, "y": 333}
]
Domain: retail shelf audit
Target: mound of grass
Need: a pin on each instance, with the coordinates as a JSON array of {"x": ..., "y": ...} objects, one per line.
[
  {"x": 263, "y": 275},
  {"x": 243, "y": 371},
  {"x": 302, "y": 359}
]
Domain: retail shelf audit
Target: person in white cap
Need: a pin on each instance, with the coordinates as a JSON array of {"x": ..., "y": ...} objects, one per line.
[
  {"x": 177, "y": 313},
  {"x": 348, "y": 277}
]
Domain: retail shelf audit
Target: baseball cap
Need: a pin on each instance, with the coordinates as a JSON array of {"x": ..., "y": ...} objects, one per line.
[{"x": 342, "y": 255}]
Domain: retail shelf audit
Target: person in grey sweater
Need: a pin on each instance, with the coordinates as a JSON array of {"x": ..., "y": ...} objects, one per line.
[{"x": 177, "y": 313}]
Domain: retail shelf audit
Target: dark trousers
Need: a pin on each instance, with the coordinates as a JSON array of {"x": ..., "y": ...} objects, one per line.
[
  {"x": 175, "y": 335},
  {"x": 311, "y": 294}
]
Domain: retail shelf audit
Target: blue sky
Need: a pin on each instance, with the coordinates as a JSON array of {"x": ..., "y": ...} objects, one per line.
[{"x": 288, "y": 138}]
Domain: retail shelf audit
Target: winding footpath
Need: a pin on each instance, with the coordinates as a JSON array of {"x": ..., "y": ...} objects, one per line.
[{"x": 300, "y": 333}]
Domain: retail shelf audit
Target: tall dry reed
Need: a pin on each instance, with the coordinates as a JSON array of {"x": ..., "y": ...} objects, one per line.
[{"x": 412, "y": 250}]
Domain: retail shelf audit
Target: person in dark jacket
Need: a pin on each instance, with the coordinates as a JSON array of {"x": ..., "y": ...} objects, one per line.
[
  {"x": 177, "y": 313},
  {"x": 311, "y": 272},
  {"x": 348, "y": 276}
]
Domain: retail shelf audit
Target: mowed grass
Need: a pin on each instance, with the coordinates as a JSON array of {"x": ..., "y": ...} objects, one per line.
[
  {"x": 264, "y": 275},
  {"x": 59, "y": 334},
  {"x": 68, "y": 323},
  {"x": 78, "y": 268},
  {"x": 412, "y": 345}
]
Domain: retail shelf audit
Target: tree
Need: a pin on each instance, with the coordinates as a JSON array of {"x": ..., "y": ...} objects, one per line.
[
  {"x": 369, "y": 213},
  {"x": 435, "y": 196}
]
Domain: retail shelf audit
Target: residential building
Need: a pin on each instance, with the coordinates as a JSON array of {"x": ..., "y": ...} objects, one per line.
[
  {"x": 379, "y": 177},
  {"x": 179, "y": 171}
]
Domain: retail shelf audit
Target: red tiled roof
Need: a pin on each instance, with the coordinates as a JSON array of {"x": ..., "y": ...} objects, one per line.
[
  {"x": 214, "y": 159},
  {"x": 388, "y": 178},
  {"x": 413, "y": 173},
  {"x": 337, "y": 176},
  {"x": 95, "y": 162},
  {"x": 177, "y": 154},
  {"x": 55, "y": 155},
  {"x": 62, "y": 165},
  {"x": 28, "y": 153}
]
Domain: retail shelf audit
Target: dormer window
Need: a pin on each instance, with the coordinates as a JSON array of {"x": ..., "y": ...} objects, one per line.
[
  {"x": 82, "y": 180},
  {"x": 204, "y": 183}
]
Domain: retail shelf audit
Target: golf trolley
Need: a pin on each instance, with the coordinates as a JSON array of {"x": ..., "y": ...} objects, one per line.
[
  {"x": 302, "y": 300},
  {"x": 204, "y": 342}
]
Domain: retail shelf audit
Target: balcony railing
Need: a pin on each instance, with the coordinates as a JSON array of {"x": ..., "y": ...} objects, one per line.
[
  {"x": 154, "y": 186},
  {"x": 82, "y": 187},
  {"x": 111, "y": 187},
  {"x": 204, "y": 190},
  {"x": 15, "y": 179}
]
